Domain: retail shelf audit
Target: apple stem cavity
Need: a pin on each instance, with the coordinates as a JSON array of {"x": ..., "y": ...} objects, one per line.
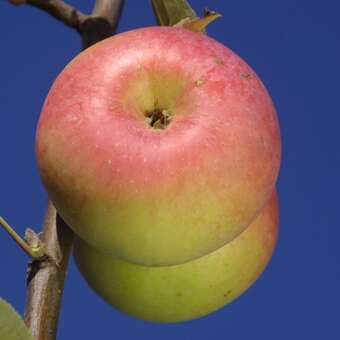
[{"x": 158, "y": 118}]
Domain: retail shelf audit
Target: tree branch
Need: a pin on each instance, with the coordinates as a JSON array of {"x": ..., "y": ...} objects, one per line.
[
  {"x": 46, "y": 275},
  {"x": 58, "y": 9},
  {"x": 45, "y": 280},
  {"x": 110, "y": 10},
  {"x": 103, "y": 21},
  {"x": 101, "y": 24}
]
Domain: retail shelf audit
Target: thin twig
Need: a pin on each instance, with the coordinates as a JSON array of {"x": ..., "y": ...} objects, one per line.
[
  {"x": 35, "y": 252},
  {"x": 59, "y": 10},
  {"x": 100, "y": 24},
  {"x": 46, "y": 276}
]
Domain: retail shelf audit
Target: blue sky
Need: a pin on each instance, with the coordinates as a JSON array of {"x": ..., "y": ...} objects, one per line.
[{"x": 295, "y": 48}]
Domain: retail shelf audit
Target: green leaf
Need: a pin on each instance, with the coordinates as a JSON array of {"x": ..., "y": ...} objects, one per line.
[
  {"x": 171, "y": 12},
  {"x": 12, "y": 327}
]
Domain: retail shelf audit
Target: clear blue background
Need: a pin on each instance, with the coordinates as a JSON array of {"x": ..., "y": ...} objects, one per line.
[{"x": 295, "y": 48}]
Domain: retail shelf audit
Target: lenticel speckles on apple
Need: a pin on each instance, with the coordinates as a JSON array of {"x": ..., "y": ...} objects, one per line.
[{"x": 155, "y": 148}]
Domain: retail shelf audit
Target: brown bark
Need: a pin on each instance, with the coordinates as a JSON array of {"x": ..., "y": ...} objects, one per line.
[
  {"x": 45, "y": 280},
  {"x": 46, "y": 276}
]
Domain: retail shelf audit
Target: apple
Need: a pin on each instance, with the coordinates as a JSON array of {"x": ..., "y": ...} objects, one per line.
[
  {"x": 185, "y": 291},
  {"x": 158, "y": 145}
]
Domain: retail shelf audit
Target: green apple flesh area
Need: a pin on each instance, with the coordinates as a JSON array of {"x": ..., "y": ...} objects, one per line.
[
  {"x": 166, "y": 191},
  {"x": 185, "y": 291}
]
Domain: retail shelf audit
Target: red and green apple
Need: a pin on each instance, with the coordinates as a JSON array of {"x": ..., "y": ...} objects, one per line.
[
  {"x": 158, "y": 145},
  {"x": 186, "y": 291}
]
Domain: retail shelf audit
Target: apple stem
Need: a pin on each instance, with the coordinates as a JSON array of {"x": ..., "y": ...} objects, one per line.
[{"x": 158, "y": 118}]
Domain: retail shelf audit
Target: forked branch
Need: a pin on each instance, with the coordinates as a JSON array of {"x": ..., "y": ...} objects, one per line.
[
  {"x": 58, "y": 9},
  {"x": 98, "y": 25},
  {"x": 46, "y": 274}
]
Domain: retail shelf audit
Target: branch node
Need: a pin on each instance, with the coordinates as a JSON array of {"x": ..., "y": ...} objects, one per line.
[
  {"x": 35, "y": 250},
  {"x": 51, "y": 250},
  {"x": 35, "y": 243}
]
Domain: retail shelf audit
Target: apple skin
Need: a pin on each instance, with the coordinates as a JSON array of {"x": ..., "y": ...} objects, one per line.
[
  {"x": 158, "y": 196},
  {"x": 186, "y": 291}
]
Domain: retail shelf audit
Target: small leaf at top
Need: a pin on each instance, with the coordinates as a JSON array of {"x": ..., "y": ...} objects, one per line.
[
  {"x": 170, "y": 12},
  {"x": 12, "y": 327},
  {"x": 198, "y": 24}
]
